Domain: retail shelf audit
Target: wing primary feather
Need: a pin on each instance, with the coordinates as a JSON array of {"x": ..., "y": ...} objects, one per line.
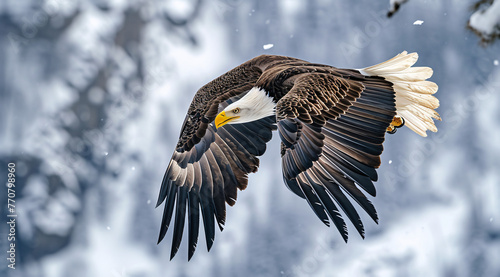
[
  {"x": 165, "y": 186},
  {"x": 207, "y": 203},
  {"x": 312, "y": 199},
  {"x": 194, "y": 222},
  {"x": 351, "y": 189},
  {"x": 230, "y": 183},
  {"x": 180, "y": 217},
  {"x": 218, "y": 190},
  {"x": 167, "y": 212},
  {"x": 346, "y": 205},
  {"x": 331, "y": 209}
]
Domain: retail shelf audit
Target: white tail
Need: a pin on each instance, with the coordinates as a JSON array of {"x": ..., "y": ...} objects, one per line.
[{"x": 414, "y": 100}]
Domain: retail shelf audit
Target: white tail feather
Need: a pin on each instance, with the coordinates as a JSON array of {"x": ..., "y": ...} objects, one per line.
[{"x": 414, "y": 100}]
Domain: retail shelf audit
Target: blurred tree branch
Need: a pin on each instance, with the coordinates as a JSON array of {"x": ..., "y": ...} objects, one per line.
[{"x": 394, "y": 6}]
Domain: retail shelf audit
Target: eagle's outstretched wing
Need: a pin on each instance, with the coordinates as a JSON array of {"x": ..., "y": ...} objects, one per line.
[
  {"x": 332, "y": 126},
  {"x": 209, "y": 164}
]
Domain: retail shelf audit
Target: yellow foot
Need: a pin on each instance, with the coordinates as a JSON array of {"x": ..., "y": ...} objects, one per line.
[
  {"x": 391, "y": 129},
  {"x": 397, "y": 122}
]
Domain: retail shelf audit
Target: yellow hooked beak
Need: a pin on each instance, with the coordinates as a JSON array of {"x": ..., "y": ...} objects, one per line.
[{"x": 222, "y": 119}]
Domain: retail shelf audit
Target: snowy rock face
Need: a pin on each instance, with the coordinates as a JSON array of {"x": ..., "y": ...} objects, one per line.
[
  {"x": 93, "y": 95},
  {"x": 486, "y": 20}
]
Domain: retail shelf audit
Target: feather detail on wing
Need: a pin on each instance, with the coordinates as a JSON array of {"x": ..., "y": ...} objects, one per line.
[{"x": 332, "y": 130}]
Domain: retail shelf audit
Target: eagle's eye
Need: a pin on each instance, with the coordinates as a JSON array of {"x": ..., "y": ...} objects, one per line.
[{"x": 237, "y": 110}]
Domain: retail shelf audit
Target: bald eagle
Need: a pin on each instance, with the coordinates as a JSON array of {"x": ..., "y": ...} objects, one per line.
[{"x": 332, "y": 123}]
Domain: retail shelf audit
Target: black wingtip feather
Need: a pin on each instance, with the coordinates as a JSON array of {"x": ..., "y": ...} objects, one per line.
[
  {"x": 313, "y": 200},
  {"x": 194, "y": 222},
  {"x": 164, "y": 189},
  {"x": 207, "y": 202},
  {"x": 346, "y": 206},
  {"x": 332, "y": 211},
  {"x": 180, "y": 217},
  {"x": 351, "y": 189},
  {"x": 167, "y": 212},
  {"x": 207, "y": 211}
]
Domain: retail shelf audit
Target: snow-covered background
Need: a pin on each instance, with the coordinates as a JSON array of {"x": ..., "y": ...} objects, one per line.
[{"x": 93, "y": 94}]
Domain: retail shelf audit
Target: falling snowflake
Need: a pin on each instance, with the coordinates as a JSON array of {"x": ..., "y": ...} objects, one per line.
[
  {"x": 418, "y": 22},
  {"x": 268, "y": 46}
]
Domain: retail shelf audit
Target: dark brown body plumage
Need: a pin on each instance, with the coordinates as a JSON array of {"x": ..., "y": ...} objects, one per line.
[{"x": 332, "y": 124}]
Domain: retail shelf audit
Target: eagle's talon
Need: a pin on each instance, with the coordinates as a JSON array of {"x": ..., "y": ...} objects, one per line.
[
  {"x": 391, "y": 129},
  {"x": 398, "y": 122}
]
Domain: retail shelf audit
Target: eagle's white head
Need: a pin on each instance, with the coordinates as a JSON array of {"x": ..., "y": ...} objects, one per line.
[{"x": 253, "y": 106}]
